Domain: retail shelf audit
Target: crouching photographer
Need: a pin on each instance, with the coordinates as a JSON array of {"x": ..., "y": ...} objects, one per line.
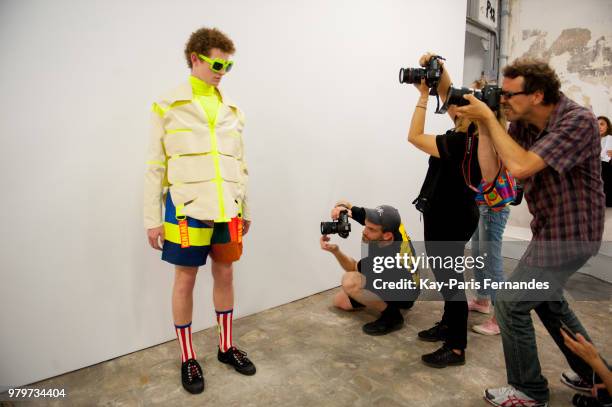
[{"x": 383, "y": 227}]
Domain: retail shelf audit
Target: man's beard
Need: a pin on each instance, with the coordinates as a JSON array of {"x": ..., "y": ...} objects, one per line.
[{"x": 364, "y": 239}]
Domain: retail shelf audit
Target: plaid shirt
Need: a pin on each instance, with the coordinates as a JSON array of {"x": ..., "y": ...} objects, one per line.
[{"x": 566, "y": 198}]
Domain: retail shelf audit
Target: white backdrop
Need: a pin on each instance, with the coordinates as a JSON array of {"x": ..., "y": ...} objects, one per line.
[{"x": 326, "y": 118}]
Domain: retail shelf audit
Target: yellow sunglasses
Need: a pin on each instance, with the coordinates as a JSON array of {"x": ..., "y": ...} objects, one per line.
[{"x": 217, "y": 64}]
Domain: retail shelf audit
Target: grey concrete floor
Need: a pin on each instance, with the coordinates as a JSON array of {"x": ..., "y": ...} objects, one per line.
[{"x": 309, "y": 354}]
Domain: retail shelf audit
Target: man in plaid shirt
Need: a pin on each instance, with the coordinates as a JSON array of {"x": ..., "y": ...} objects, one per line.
[{"x": 552, "y": 146}]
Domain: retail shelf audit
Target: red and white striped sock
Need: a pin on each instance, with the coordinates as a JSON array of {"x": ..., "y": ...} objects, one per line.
[
  {"x": 224, "y": 326},
  {"x": 183, "y": 333}
]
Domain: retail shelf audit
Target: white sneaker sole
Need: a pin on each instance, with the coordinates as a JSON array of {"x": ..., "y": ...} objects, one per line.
[{"x": 484, "y": 396}]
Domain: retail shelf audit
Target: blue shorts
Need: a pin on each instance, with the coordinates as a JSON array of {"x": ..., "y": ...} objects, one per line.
[{"x": 204, "y": 238}]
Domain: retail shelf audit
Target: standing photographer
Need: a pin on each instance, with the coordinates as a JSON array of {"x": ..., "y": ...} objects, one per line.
[
  {"x": 383, "y": 225},
  {"x": 553, "y": 146},
  {"x": 450, "y": 214}
]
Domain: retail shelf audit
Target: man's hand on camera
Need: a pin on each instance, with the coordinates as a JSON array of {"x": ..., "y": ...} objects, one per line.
[
  {"x": 476, "y": 110},
  {"x": 328, "y": 247},
  {"x": 335, "y": 213},
  {"x": 424, "y": 60},
  {"x": 423, "y": 90},
  {"x": 344, "y": 202}
]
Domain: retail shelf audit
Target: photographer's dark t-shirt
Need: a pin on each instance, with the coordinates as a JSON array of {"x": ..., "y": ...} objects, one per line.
[{"x": 454, "y": 214}]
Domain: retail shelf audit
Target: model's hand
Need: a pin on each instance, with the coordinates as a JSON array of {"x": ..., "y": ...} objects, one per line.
[
  {"x": 328, "y": 247},
  {"x": 156, "y": 237},
  {"x": 609, "y": 152},
  {"x": 476, "y": 110},
  {"x": 335, "y": 213},
  {"x": 246, "y": 224},
  {"x": 582, "y": 348}
]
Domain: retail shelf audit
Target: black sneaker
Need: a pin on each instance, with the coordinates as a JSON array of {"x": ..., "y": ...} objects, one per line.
[
  {"x": 443, "y": 357},
  {"x": 571, "y": 379},
  {"x": 389, "y": 321},
  {"x": 238, "y": 359},
  {"x": 192, "y": 376},
  {"x": 434, "y": 334}
]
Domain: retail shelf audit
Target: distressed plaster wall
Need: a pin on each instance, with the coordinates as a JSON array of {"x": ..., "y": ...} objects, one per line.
[{"x": 576, "y": 39}]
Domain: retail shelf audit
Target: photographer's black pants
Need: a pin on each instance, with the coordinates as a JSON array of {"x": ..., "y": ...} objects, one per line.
[{"x": 447, "y": 235}]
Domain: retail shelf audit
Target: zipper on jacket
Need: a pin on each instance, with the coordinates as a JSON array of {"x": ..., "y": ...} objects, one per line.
[{"x": 216, "y": 160}]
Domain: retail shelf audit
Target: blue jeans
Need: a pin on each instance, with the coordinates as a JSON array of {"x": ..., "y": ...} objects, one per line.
[
  {"x": 513, "y": 313},
  {"x": 487, "y": 239}
]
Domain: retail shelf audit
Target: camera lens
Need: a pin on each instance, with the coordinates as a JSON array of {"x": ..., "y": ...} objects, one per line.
[{"x": 328, "y": 228}]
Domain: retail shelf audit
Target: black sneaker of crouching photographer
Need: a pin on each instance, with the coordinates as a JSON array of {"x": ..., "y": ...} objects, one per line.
[
  {"x": 434, "y": 334},
  {"x": 390, "y": 320},
  {"x": 237, "y": 358},
  {"x": 443, "y": 357},
  {"x": 192, "y": 376}
]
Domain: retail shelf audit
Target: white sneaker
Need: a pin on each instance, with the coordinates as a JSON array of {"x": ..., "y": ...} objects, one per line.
[{"x": 511, "y": 397}]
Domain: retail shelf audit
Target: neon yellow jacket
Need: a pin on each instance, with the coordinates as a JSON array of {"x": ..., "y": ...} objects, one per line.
[{"x": 201, "y": 163}]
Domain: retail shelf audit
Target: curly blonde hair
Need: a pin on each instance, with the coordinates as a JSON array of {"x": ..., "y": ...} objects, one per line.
[{"x": 205, "y": 39}]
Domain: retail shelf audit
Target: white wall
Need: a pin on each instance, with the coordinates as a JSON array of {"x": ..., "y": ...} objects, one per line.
[
  {"x": 474, "y": 59},
  {"x": 326, "y": 118}
]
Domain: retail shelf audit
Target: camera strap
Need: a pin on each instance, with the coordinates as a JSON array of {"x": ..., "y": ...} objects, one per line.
[
  {"x": 434, "y": 92},
  {"x": 466, "y": 164}
]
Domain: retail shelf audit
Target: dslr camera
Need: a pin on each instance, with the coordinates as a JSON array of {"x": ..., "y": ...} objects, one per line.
[
  {"x": 490, "y": 95},
  {"x": 342, "y": 226},
  {"x": 431, "y": 73},
  {"x": 581, "y": 400}
]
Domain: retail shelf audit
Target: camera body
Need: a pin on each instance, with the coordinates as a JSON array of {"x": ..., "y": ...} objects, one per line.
[
  {"x": 431, "y": 73},
  {"x": 581, "y": 400},
  {"x": 490, "y": 95},
  {"x": 342, "y": 226}
]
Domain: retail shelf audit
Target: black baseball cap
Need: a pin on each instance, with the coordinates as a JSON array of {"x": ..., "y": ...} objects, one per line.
[{"x": 386, "y": 216}]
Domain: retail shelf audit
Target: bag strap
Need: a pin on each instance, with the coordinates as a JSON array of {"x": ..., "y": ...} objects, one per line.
[{"x": 492, "y": 187}]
